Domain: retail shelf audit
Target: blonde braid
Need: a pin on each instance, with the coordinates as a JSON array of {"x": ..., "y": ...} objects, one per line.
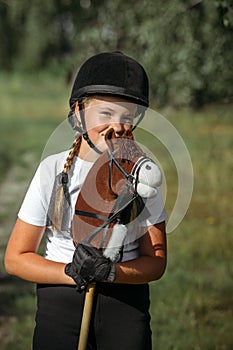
[
  {"x": 59, "y": 198},
  {"x": 74, "y": 152}
]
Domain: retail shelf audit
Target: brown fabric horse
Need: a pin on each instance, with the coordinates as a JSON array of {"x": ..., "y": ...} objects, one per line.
[{"x": 108, "y": 197}]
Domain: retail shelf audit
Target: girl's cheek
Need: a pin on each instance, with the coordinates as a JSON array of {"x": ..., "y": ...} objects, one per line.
[
  {"x": 98, "y": 126},
  {"x": 101, "y": 127}
]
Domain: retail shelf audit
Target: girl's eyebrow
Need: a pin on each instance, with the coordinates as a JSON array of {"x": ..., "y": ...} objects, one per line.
[{"x": 106, "y": 107}]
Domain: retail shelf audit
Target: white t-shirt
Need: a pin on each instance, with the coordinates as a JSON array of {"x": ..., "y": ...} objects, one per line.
[{"x": 59, "y": 245}]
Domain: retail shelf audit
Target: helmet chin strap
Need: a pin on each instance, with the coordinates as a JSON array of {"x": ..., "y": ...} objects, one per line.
[
  {"x": 139, "y": 120},
  {"x": 84, "y": 129}
]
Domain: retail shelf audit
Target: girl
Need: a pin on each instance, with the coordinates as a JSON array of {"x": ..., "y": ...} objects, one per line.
[{"x": 110, "y": 90}]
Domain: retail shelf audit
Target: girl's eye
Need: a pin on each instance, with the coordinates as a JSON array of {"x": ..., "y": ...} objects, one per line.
[
  {"x": 128, "y": 120},
  {"x": 106, "y": 114}
]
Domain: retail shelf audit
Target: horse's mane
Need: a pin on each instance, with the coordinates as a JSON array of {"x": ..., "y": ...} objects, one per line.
[{"x": 128, "y": 148}]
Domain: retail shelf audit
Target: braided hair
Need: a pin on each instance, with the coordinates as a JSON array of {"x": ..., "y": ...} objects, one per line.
[{"x": 63, "y": 188}]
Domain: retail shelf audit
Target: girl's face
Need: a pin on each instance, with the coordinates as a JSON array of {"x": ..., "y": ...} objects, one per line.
[{"x": 108, "y": 112}]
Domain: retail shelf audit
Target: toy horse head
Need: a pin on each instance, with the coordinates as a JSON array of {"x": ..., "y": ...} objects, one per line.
[{"x": 113, "y": 191}]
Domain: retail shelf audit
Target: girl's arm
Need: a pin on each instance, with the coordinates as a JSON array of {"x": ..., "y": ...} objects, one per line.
[
  {"x": 151, "y": 264},
  {"x": 22, "y": 260}
]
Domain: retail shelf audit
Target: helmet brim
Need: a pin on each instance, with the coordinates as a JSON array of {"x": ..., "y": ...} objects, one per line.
[{"x": 109, "y": 90}]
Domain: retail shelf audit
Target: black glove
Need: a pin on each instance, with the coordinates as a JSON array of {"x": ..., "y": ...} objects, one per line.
[{"x": 89, "y": 265}]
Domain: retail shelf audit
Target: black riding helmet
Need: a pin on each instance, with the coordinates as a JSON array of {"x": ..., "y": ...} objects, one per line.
[{"x": 109, "y": 73}]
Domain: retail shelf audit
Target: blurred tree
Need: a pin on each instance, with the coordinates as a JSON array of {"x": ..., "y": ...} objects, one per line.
[
  {"x": 186, "y": 46},
  {"x": 225, "y": 10},
  {"x": 8, "y": 37},
  {"x": 45, "y": 33}
]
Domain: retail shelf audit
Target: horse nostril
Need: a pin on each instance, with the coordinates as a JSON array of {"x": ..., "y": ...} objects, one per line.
[{"x": 148, "y": 167}]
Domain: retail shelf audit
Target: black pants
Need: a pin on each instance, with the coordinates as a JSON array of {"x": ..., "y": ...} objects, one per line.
[{"x": 120, "y": 318}]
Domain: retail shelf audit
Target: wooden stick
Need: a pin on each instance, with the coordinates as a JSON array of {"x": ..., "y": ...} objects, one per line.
[{"x": 86, "y": 318}]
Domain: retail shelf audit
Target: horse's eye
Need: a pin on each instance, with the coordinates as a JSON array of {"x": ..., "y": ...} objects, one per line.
[{"x": 148, "y": 167}]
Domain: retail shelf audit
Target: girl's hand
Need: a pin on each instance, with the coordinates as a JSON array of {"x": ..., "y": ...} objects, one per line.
[{"x": 89, "y": 265}]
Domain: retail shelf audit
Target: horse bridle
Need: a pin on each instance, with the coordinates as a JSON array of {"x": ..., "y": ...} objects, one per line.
[{"x": 124, "y": 199}]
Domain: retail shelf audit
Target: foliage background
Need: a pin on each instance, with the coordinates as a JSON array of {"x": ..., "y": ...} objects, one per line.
[
  {"x": 186, "y": 48},
  {"x": 185, "y": 45}
]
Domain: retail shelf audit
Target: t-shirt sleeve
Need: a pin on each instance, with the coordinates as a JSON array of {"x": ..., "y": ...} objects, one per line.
[
  {"x": 154, "y": 211},
  {"x": 35, "y": 204}
]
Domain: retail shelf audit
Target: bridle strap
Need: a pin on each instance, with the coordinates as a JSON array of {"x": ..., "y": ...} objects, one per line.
[
  {"x": 138, "y": 164},
  {"x": 120, "y": 204},
  {"x": 110, "y": 219},
  {"x": 91, "y": 215},
  {"x": 136, "y": 169},
  {"x": 118, "y": 207},
  {"x": 112, "y": 160}
]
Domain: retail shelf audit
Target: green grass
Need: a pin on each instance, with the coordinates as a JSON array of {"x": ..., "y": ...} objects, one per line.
[
  {"x": 30, "y": 109},
  {"x": 191, "y": 306}
]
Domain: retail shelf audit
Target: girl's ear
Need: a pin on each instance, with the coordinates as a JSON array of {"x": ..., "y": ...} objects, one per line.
[
  {"x": 77, "y": 112},
  {"x": 74, "y": 118}
]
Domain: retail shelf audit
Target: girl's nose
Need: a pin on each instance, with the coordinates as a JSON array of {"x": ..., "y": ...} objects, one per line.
[{"x": 118, "y": 128}]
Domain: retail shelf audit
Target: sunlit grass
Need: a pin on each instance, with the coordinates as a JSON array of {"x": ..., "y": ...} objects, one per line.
[
  {"x": 192, "y": 305},
  {"x": 33, "y": 97}
]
